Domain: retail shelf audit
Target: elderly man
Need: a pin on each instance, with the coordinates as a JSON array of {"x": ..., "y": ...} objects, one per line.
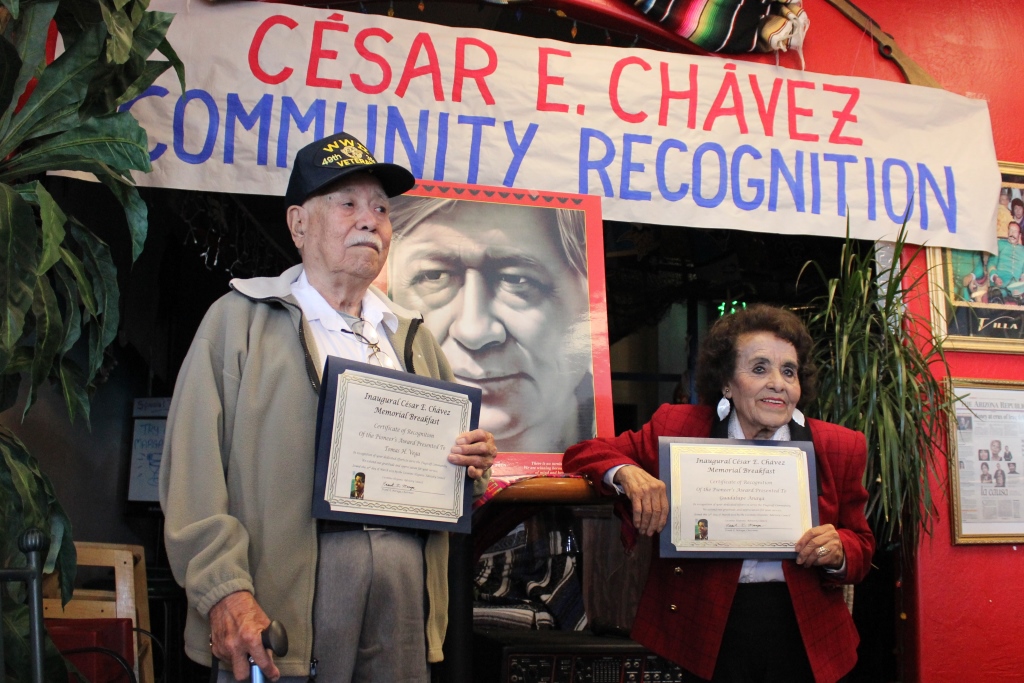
[{"x": 236, "y": 481}]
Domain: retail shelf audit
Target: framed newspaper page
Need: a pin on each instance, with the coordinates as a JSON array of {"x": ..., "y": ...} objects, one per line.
[
  {"x": 736, "y": 498},
  {"x": 985, "y": 466}
]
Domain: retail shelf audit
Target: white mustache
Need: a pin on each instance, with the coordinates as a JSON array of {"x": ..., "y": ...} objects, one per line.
[{"x": 366, "y": 238}]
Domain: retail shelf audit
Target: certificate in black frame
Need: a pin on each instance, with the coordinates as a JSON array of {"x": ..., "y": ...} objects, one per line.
[
  {"x": 665, "y": 546},
  {"x": 325, "y": 428}
]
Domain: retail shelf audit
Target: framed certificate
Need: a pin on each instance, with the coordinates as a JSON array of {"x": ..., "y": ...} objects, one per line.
[
  {"x": 383, "y": 438},
  {"x": 732, "y": 498}
]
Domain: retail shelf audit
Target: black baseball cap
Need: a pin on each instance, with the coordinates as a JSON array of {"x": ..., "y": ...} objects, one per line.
[{"x": 330, "y": 159}]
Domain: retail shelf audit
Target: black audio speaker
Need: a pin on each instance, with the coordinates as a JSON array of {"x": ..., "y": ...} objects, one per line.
[{"x": 502, "y": 656}]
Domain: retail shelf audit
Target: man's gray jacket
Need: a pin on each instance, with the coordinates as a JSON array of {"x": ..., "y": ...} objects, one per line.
[{"x": 236, "y": 480}]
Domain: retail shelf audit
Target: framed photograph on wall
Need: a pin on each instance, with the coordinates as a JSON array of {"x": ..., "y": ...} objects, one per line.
[
  {"x": 986, "y": 461},
  {"x": 511, "y": 284},
  {"x": 978, "y": 298}
]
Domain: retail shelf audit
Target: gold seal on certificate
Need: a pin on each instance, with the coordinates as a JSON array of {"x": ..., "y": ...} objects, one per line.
[
  {"x": 735, "y": 498},
  {"x": 383, "y": 439}
]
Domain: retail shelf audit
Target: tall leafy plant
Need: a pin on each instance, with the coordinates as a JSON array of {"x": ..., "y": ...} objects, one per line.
[
  {"x": 879, "y": 374},
  {"x": 58, "y": 282}
]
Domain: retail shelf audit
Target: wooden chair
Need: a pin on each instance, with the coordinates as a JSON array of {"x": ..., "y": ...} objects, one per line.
[{"x": 128, "y": 600}]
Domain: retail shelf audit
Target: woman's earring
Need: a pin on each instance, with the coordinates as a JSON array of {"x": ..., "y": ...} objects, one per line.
[{"x": 723, "y": 408}]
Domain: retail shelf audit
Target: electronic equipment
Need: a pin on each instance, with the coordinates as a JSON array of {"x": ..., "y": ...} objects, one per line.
[{"x": 505, "y": 656}]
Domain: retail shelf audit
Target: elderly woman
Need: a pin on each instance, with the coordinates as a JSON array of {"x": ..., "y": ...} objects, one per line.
[{"x": 747, "y": 620}]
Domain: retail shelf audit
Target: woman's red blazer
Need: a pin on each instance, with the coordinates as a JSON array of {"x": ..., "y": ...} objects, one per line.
[{"x": 685, "y": 603}]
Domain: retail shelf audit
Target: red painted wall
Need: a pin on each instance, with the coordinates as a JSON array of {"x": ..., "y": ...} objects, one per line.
[{"x": 964, "y": 620}]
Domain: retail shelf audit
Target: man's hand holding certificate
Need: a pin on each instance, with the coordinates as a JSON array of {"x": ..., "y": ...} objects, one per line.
[{"x": 730, "y": 498}]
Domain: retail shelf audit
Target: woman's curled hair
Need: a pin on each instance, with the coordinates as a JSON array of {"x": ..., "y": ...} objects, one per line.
[{"x": 716, "y": 363}]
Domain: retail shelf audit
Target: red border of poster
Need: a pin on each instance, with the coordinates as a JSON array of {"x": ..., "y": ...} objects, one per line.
[{"x": 549, "y": 464}]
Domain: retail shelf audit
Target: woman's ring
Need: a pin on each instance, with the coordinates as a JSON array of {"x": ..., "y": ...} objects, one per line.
[{"x": 822, "y": 551}]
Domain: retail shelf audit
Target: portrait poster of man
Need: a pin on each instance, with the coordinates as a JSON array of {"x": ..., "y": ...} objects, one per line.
[
  {"x": 981, "y": 296},
  {"x": 511, "y": 284}
]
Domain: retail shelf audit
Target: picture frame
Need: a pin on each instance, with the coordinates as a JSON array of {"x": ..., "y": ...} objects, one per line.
[
  {"x": 509, "y": 280},
  {"x": 978, "y": 298},
  {"x": 986, "y": 461},
  {"x": 712, "y": 497},
  {"x": 402, "y": 462}
]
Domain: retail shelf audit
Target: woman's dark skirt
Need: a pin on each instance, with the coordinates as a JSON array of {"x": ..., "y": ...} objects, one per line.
[{"x": 762, "y": 641}]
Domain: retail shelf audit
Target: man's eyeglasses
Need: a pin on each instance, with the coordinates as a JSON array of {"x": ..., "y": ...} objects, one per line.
[{"x": 367, "y": 334}]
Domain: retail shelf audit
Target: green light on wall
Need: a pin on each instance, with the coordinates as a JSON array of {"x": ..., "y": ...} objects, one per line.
[{"x": 727, "y": 307}]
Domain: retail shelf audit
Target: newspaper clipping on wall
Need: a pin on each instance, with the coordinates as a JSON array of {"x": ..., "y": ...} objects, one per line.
[{"x": 989, "y": 469}]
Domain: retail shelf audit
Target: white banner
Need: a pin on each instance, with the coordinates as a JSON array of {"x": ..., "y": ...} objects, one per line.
[{"x": 663, "y": 138}]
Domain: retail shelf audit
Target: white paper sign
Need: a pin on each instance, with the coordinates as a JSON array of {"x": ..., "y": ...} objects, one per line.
[
  {"x": 664, "y": 138},
  {"x": 147, "y": 450}
]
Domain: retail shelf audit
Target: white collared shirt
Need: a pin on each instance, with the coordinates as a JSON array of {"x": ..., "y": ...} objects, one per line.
[
  {"x": 327, "y": 324},
  {"x": 759, "y": 571}
]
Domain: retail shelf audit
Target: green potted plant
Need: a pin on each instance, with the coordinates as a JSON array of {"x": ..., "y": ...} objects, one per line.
[
  {"x": 880, "y": 373},
  {"x": 58, "y": 284}
]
